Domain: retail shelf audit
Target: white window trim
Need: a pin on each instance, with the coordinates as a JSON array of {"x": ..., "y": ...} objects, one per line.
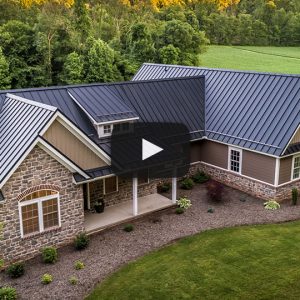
[
  {"x": 117, "y": 185},
  {"x": 293, "y": 166},
  {"x": 39, "y": 202},
  {"x": 229, "y": 159}
]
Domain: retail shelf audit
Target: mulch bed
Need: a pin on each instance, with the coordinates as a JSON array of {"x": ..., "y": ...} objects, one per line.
[{"x": 111, "y": 249}]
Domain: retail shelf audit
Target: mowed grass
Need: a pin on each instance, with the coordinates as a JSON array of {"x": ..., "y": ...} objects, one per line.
[
  {"x": 263, "y": 59},
  {"x": 248, "y": 262}
]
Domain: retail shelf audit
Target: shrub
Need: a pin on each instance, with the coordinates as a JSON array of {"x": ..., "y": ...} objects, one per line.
[
  {"x": 15, "y": 270},
  {"x": 272, "y": 205},
  {"x": 201, "y": 177},
  {"x": 179, "y": 210},
  {"x": 81, "y": 241},
  {"x": 215, "y": 191},
  {"x": 47, "y": 278},
  {"x": 49, "y": 255},
  {"x": 294, "y": 196},
  {"x": 8, "y": 293},
  {"x": 184, "y": 203},
  {"x": 210, "y": 210},
  {"x": 1, "y": 263},
  {"x": 164, "y": 187},
  {"x": 79, "y": 265},
  {"x": 73, "y": 280},
  {"x": 187, "y": 184},
  {"x": 128, "y": 227}
]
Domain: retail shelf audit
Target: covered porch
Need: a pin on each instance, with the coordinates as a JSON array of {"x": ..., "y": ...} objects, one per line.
[{"x": 122, "y": 212}]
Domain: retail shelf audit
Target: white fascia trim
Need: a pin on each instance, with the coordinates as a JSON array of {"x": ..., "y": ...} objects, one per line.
[
  {"x": 93, "y": 179},
  {"x": 60, "y": 158},
  {"x": 83, "y": 138},
  {"x": 86, "y": 112},
  {"x": 31, "y": 102},
  {"x": 298, "y": 128},
  {"x": 117, "y": 121}
]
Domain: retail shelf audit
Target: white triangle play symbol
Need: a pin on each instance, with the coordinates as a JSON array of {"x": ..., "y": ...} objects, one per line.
[{"x": 149, "y": 149}]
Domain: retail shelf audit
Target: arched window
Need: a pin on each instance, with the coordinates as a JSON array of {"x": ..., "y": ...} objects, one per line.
[{"x": 39, "y": 211}]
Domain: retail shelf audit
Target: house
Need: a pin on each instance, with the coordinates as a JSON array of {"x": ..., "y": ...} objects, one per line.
[{"x": 55, "y": 160}]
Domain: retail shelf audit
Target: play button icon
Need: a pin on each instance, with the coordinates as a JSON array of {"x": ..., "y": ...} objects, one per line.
[
  {"x": 149, "y": 149},
  {"x": 154, "y": 150}
]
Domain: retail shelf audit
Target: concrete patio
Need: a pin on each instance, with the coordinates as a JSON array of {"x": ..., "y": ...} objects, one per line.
[{"x": 119, "y": 213}]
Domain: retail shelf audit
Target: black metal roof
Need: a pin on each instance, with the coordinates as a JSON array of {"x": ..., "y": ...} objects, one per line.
[
  {"x": 94, "y": 173},
  {"x": 259, "y": 111}
]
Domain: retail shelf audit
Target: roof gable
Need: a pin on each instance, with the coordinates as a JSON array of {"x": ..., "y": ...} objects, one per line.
[{"x": 259, "y": 111}]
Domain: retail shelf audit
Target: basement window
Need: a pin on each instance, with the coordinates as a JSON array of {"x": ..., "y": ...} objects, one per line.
[
  {"x": 235, "y": 160},
  {"x": 39, "y": 211},
  {"x": 296, "y": 167}
]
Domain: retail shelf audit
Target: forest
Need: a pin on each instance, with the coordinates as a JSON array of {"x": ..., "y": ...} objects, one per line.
[{"x": 54, "y": 42}]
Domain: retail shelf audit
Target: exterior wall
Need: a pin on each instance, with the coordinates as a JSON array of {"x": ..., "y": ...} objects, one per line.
[
  {"x": 123, "y": 194},
  {"x": 255, "y": 165},
  {"x": 72, "y": 147},
  {"x": 39, "y": 170},
  {"x": 285, "y": 170},
  {"x": 258, "y": 166}
]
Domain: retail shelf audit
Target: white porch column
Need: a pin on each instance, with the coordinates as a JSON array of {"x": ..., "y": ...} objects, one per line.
[
  {"x": 174, "y": 189},
  {"x": 135, "y": 195}
]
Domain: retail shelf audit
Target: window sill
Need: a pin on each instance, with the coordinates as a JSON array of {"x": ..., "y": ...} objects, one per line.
[{"x": 35, "y": 234}]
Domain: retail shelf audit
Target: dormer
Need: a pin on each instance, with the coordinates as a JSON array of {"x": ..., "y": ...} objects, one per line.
[{"x": 106, "y": 110}]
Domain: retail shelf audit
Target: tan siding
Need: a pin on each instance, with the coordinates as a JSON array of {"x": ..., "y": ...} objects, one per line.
[
  {"x": 210, "y": 152},
  {"x": 285, "y": 169},
  {"x": 258, "y": 166},
  {"x": 296, "y": 138},
  {"x": 72, "y": 147}
]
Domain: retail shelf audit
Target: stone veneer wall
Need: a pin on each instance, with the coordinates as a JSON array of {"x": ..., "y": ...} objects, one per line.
[
  {"x": 247, "y": 185},
  {"x": 123, "y": 194},
  {"x": 39, "y": 170}
]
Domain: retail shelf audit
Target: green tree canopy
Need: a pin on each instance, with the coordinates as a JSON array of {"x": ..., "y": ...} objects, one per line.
[
  {"x": 73, "y": 70},
  {"x": 4, "y": 72}
]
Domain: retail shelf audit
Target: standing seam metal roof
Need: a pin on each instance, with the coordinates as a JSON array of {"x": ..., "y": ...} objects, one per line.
[
  {"x": 20, "y": 123},
  {"x": 259, "y": 111}
]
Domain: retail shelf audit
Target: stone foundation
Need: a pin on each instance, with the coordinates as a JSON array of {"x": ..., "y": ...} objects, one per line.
[
  {"x": 250, "y": 186},
  {"x": 38, "y": 171}
]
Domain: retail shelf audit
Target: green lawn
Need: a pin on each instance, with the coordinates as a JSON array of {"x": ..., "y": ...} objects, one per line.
[
  {"x": 264, "y": 59},
  {"x": 254, "y": 262}
]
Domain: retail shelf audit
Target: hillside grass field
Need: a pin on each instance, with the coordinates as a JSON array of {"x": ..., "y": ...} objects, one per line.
[
  {"x": 247, "y": 262},
  {"x": 262, "y": 59}
]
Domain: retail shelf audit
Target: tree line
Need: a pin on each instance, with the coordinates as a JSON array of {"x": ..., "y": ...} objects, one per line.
[{"x": 50, "y": 42}]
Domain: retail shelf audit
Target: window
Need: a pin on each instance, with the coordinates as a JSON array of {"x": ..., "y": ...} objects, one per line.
[
  {"x": 110, "y": 185},
  {"x": 235, "y": 160},
  {"x": 107, "y": 129},
  {"x": 296, "y": 167},
  {"x": 39, "y": 211}
]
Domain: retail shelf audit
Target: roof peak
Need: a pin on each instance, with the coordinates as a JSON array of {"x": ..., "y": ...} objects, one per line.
[
  {"x": 222, "y": 70},
  {"x": 31, "y": 102}
]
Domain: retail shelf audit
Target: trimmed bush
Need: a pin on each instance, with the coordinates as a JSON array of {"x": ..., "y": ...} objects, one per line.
[
  {"x": 210, "y": 210},
  {"x": 294, "y": 196},
  {"x": 187, "y": 184},
  {"x": 73, "y": 280},
  {"x": 16, "y": 270},
  {"x": 8, "y": 293},
  {"x": 215, "y": 191},
  {"x": 163, "y": 188},
  {"x": 81, "y": 241},
  {"x": 179, "y": 210},
  {"x": 47, "y": 278},
  {"x": 49, "y": 255},
  {"x": 128, "y": 227},
  {"x": 184, "y": 203},
  {"x": 272, "y": 205},
  {"x": 201, "y": 177},
  {"x": 79, "y": 265}
]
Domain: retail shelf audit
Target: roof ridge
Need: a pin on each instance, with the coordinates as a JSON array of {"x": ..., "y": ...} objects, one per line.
[
  {"x": 222, "y": 70},
  {"x": 31, "y": 102}
]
